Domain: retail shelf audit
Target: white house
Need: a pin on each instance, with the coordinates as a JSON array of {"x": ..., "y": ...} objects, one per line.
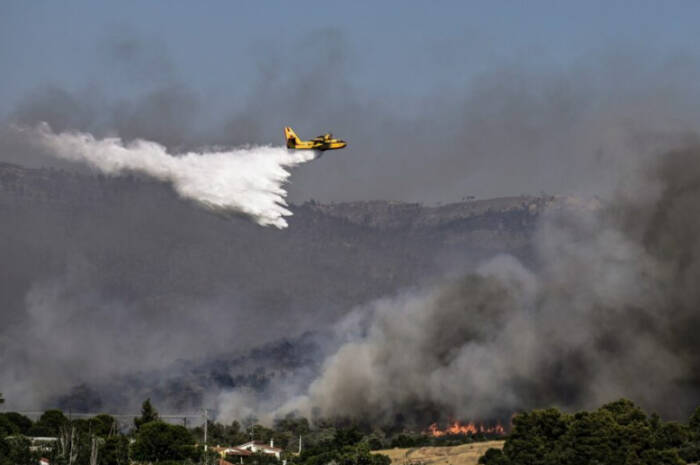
[{"x": 256, "y": 447}]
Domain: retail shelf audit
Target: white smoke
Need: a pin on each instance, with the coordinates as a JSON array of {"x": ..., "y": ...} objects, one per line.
[{"x": 248, "y": 181}]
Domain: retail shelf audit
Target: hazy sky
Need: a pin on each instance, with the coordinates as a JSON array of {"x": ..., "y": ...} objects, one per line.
[
  {"x": 402, "y": 46},
  {"x": 379, "y": 67}
]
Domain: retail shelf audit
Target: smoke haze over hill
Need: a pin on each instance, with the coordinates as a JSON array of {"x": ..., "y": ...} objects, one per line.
[
  {"x": 125, "y": 271},
  {"x": 115, "y": 289},
  {"x": 610, "y": 309}
]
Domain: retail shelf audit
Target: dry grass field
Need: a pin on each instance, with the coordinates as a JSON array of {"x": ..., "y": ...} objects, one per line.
[{"x": 466, "y": 454}]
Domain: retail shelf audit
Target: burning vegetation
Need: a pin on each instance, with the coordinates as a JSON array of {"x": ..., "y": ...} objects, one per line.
[{"x": 458, "y": 428}]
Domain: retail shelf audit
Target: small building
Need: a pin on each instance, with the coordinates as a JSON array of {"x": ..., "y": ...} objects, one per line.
[
  {"x": 44, "y": 461},
  {"x": 247, "y": 449},
  {"x": 230, "y": 452},
  {"x": 261, "y": 447},
  {"x": 41, "y": 444}
]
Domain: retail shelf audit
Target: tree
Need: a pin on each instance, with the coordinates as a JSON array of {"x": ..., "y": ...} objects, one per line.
[
  {"x": 295, "y": 425},
  {"x": 6, "y": 426},
  {"x": 345, "y": 447},
  {"x": 590, "y": 438},
  {"x": 260, "y": 458},
  {"x": 15, "y": 451},
  {"x": 156, "y": 441},
  {"x": 374, "y": 442},
  {"x": 624, "y": 412},
  {"x": 671, "y": 435},
  {"x": 67, "y": 448},
  {"x": 534, "y": 435},
  {"x": 49, "y": 424},
  {"x": 690, "y": 451},
  {"x": 115, "y": 451},
  {"x": 618, "y": 433},
  {"x": 221, "y": 434},
  {"x": 260, "y": 433},
  {"x": 694, "y": 423},
  {"x": 22, "y": 423},
  {"x": 661, "y": 457},
  {"x": 347, "y": 437},
  {"x": 404, "y": 441},
  {"x": 288, "y": 429},
  {"x": 148, "y": 414},
  {"x": 103, "y": 425},
  {"x": 494, "y": 457},
  {"x": 4, "y": 451}
]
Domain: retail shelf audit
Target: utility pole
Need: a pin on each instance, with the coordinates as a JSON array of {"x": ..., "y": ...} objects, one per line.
[{"x": 206, "y": 420}]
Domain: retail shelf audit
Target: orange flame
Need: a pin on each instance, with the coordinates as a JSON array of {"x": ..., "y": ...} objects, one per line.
[{"x": 464, "y": 428}]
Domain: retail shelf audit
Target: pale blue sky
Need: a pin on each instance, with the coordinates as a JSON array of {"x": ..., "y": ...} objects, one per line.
[
  {"x": 523, "y": 96},
  {"x": 403, "y": 46}
]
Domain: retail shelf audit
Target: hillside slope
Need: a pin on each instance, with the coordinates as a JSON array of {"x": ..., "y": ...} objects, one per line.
[
  {"x": 465, "y": 454},
  {"x": 116, "y": 279}
]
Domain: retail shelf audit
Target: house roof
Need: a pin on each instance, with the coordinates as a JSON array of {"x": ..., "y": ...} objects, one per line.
[
  {"x": 261, "y": 445},
  {"x": 232, "y": 450}
]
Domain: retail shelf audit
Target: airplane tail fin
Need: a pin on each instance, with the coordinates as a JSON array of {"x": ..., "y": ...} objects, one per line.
[{"x": 292, "y": 138}]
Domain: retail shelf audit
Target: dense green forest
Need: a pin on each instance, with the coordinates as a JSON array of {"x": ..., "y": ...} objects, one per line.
[
  {"x": 617, "y": 433},
  {"x": 101, "y": 441}
]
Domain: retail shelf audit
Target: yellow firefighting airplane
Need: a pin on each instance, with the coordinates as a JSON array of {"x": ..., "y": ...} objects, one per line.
[{"x": 321, "y": 143}]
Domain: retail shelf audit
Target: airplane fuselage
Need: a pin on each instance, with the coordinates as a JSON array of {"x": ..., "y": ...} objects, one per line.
[{"x": 321, "y": 143}]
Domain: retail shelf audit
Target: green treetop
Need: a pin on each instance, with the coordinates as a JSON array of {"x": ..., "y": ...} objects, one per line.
[{"x": 148, "y": 414}]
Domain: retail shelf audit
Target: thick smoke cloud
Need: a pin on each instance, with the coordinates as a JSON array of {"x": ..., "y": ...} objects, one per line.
[
  {"x": 610, "y": 310},
  {"x": 114, "y": 289},
  {"x": 127, "y": 279},
  {"x": 246, "y": 181}
]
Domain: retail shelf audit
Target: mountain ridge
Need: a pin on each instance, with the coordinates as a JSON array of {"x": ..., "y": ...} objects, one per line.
[{"x": 127, "y": 251}]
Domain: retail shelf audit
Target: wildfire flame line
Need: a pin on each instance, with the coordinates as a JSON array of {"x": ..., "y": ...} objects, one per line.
[{"x": 464, "y": 428}]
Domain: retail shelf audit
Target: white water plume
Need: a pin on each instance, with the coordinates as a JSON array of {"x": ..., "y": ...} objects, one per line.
[{"x": 248, "y": 181}]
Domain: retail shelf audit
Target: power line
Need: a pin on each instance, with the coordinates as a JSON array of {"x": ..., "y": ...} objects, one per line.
[
  {"x": 118, "y": 415},
  {"x": 124, "y": 418}
]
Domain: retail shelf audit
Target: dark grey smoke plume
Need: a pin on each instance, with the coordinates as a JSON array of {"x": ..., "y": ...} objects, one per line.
[
  {"x": 111, "y": 278},
  {"x": 611, "y": 308},
  {"x": 118, "y": 285}
]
